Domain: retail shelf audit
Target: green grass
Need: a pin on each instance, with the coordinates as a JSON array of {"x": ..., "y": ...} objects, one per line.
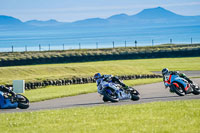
[
  {"x": 88, "y": 69},
  {"x": 157, "y": 117},
  {"x": 52, "y": 92}
]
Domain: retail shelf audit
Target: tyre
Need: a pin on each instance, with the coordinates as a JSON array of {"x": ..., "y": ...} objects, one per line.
[
  {"x": 105, "y": 100},
  {"x": 135, "y": 95},
  {"x": 196, "y": 89},
  {"x": 178, "y": 90},
  {"x": 110, "y": 95},
  {"x": 23, "y": 102}
]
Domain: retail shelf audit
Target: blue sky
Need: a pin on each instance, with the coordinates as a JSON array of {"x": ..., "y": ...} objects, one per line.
[{"x": 72, "y": 10}]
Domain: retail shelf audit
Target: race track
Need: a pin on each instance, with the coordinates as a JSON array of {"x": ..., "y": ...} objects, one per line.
[{"x": 149, "y": 93}]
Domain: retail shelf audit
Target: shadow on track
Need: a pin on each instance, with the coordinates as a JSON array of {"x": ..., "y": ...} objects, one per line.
[
  {"x": 89, "y": 104},
  {"x": 164, "y": 97}
]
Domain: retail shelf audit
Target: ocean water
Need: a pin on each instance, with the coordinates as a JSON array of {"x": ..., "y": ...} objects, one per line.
[{"x": 59, "y": 39}]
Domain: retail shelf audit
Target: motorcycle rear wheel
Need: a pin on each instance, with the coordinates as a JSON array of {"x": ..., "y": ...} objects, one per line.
[
  {"x": 105, "y": 100},
  {"x": 113, "y": 98},
  {"x": 178, "y": 90}
]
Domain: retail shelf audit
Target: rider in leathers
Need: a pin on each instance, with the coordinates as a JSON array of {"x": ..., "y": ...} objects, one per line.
[
  {"x": 166, "y": 71},
  {"x": 4, "y": 103},
  {"x": 5, "y": 89},
  {"x": 98, "y": 77}
]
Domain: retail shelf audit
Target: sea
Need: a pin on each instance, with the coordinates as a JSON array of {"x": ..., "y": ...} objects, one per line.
[{"x": 88, "y": 38}]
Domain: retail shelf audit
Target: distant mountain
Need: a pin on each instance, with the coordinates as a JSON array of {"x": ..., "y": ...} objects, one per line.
[
  {"x": 118, "y": 16},
  {"x": 161, "y": 16},
  {"x": 152, "y": 17},
  {"x": 156, "y": 13},
  {"x": 90, "y": 22},
  {"x": 148, "y": 17},
  {"x": 7, "y": 20},
  {"x": 50, "y": 22}
]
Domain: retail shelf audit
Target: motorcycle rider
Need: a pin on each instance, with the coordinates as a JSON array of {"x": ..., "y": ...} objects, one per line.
[
  {"x": 3, "y": 103},
  {"x": 5, "y": 89},
  {"x": 98, "y": 77},
  {"x": 166, "y": 71}
]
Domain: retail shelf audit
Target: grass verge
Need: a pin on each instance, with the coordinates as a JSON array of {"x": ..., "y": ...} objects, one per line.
[
  {"x": 52, "y": 92},
  {"x": 88, "y": 69},
  {"x": 157, "y": 117}
]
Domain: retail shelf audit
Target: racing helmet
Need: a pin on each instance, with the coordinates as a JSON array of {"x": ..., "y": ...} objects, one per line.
[
  {"x": 97, "y": 76},
  {"x": 165, "y": 71}
]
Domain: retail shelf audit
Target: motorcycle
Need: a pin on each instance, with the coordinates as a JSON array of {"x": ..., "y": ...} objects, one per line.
[
  {"x": 180, "y": 85},
  {"x": 7, "y": 101},
  {"x": 113, "y": 92}
]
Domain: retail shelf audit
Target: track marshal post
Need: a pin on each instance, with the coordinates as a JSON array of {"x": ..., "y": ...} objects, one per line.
[{"x": 19, "y": 86}]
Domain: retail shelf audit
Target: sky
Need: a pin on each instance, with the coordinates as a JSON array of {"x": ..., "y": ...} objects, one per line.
[{"x": 73, "y": 10}]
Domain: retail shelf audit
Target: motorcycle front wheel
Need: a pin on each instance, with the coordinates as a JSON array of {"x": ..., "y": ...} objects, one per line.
[
  {"x": 196, "y": 89},
  {"x": 23, "y": 102},
  {"x": 135, "y": 95}
]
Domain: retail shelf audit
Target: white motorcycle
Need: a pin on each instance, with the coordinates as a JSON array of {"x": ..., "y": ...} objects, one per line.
[{"x": 114, "y": 92}]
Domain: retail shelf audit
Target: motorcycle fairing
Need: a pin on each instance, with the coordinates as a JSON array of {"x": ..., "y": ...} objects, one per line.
[
  {"x": 175, "y": 79},
  {"x": 5, "y": 103}
]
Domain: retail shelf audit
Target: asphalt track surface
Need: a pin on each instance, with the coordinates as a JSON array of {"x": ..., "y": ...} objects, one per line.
[{"x": 149, "y": 93}]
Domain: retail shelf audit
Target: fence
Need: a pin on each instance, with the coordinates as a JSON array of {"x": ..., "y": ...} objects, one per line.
[{"x": 96, "y": 45}]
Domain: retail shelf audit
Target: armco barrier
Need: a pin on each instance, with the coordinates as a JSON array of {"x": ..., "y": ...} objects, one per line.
[{"x": 60, "y": 82}]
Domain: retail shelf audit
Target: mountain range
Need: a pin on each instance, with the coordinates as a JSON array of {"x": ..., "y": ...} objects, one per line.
[{"x": 148, "y": 17}]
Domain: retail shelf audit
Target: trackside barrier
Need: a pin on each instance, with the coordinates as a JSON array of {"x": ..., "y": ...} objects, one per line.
[{"x": 60, "y": 82}]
